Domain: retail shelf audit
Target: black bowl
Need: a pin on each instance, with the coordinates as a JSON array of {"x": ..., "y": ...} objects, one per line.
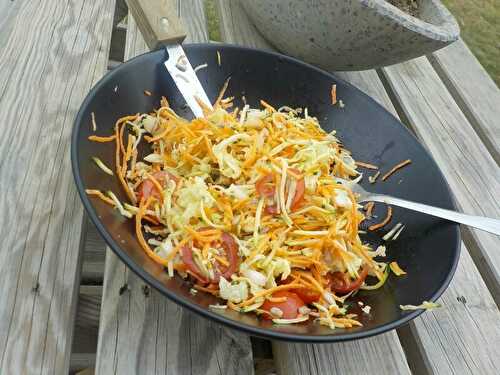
[{"x": 428, "y": 248}]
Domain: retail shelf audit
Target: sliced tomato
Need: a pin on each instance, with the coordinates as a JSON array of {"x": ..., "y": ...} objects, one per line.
[
  {"x": 187, "y": 258},
  {"x": 147, "y": 188},
  {"x": 231, "y": 251},
  {"x": 265, "y": 186},
  {"x": 299, "y": 191},
  {"x": 306, "y": 295},
  {"x": 340, "y": 282},
  {"x": 290, "y": 307},
  {"x": 231, "y": 248}
]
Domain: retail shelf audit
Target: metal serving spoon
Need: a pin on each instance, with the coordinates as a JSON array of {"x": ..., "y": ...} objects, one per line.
[{"x": 484, "y": 223}]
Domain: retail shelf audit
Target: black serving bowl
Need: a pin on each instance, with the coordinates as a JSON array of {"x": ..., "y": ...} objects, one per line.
[{"x": 428, "y": 248}]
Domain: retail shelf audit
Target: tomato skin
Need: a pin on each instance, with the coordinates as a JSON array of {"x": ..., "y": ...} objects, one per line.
[
  {"x": 306, "y": 295},
  {"x": 290, "y": 307},
  {"x": 230, "y": 247},
  {"x": 299, "y": 191},
  {"x": 264, "y": 187},
  {"x": 147, "y": 188},
  {"x": 187, "y": 258},
  {"x": 340, "y": 283}
]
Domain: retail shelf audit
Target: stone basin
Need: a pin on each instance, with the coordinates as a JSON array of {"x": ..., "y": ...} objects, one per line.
[{"x": 352, "y": 34}]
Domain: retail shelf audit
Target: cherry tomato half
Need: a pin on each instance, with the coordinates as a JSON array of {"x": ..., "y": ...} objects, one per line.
[
  {"x": 340, "y": 282},
  {"x": 147, "y": 188},
  {"x": 299, "y": 191},
  {"x": 266, "y": 188},
  {"x": 306, "y": 295},
  {"x": 290, "y": 307},
  {"x": 231, "y": 251}
]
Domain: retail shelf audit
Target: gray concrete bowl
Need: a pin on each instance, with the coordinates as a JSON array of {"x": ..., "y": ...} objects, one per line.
[{"x": 352, "y": 34}]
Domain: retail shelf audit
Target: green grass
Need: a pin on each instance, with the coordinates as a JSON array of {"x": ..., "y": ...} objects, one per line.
[
  {"x": 479, "y": 22},
  {"x": 212, "y": 21}
]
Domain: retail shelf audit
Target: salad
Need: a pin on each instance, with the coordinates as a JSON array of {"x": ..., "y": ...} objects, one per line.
[{"x": 253, "y": 206}]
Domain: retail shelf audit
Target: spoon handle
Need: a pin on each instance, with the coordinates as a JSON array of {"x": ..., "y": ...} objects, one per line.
[{"x": 479, "y": 222}]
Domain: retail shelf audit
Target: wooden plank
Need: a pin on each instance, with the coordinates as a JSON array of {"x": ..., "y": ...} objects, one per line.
[
  {"x": 429, "y": 347},
  {"x": 141, "y": 332},
  {"x": 53, "y": 53},
  {"x": 474, "y": 177},
  {"x": 473, "y": 90},
  {"x": 463, "y": 337},
  {"x": 94, "y": 253},
  {"x": 316, "y": 359},
  {"x": 375, "y": 355}
]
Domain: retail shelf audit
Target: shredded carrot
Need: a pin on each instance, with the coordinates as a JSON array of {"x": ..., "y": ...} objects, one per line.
[
  {"x": 334, "y": 94},
  {"x": 222, "y": 92},
  {"x": 369, "y": 209},
  {"x": 383, "y": 222},
  {"x": 395, "y": 168},
  {"x": 267, "y": 106},
  {"x": 101, "y": 196},
  {"x": 244, "y": 181},
  {"x": 96, "y": 138},
  {"x": 366, "y": 165},
  {"x": 205, "y": 289},
  {"x": 276, "y": 299},
  {"x": 156, "y": 184},
  {"x": 396, "y": 269},
  {"x": 163, "y": 134},
  {"x": 140, "y": 237},
  {"x": 265, "y": 292}
]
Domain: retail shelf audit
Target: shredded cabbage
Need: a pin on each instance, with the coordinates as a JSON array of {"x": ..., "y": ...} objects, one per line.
[{"x": 235, "y": 291}]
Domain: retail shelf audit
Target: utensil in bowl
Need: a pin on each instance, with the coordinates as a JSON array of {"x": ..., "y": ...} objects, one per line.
[{"x": 364, "y": 127}]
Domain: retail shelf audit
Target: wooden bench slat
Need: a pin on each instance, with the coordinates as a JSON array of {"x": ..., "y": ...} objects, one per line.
[
  {"x": 339, "y": 358},
  {"x": 463, "y": 336},
  {"x": 141, "y": 332},
  {"x": 52, "y": 53},
  {"x": 94, "y": 254},
  {"x": 473, "y": 175},
  {"x": 473, "y": 90},
  {"x": 428, "y": 347},
  {"x": 375, "y": 355}
]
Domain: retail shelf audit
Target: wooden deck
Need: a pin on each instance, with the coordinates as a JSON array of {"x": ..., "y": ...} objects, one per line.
[{"x": 60, "y": 285}]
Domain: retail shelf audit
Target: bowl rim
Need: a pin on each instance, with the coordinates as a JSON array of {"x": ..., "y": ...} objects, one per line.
[
  {"x": 448, "y": 31},
  {"x": 206, "y": 312}
]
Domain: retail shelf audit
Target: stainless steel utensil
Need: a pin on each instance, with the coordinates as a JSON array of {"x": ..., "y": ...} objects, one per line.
[
  {"x": 479, "y": 222},
  {"x": 160, "y": 26}
]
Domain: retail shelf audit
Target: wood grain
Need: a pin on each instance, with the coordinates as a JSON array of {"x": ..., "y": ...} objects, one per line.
[
  {"x": 473, "y": 90},
  {"x": 141, "y": 332},
  {"x": 376, "y": 355},
  {"x": 473, "y": 175},
  {"x": 158, "y": 21},
  {"x": 463, "y": 336},
  {"x": 50, "y": 56},
  {"x": 94, "y": 253},
  {"x": 449, "y": 340}
]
